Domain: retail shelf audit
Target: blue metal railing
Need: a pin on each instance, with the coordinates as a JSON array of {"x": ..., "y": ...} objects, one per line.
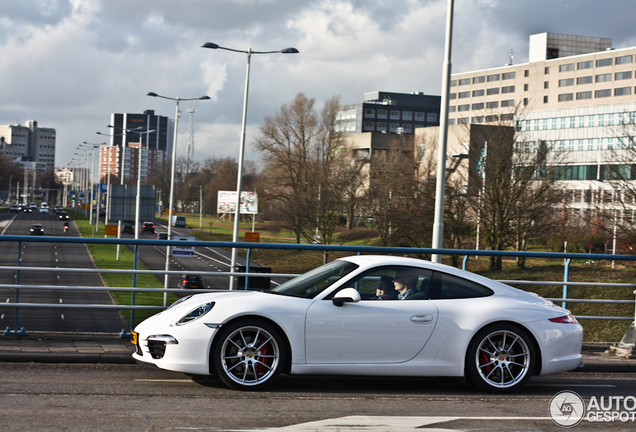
[{"x": 567, "y": 257}]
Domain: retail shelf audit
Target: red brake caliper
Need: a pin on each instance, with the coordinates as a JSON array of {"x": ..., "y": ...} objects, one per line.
[
  {"x": 484, "y": 359},
  {"x": 264, "y": 351}
]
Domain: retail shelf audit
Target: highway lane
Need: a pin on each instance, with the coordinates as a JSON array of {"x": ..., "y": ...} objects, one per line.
[
  {"x": 44, "y": 397},
  {"x": 60, "y": 255}
]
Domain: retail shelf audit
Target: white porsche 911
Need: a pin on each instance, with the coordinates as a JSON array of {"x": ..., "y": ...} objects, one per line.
[{"x": 366, "y": 315}]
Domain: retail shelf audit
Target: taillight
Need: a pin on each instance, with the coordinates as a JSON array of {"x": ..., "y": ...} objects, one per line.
[{"x": 567, "y": 319}]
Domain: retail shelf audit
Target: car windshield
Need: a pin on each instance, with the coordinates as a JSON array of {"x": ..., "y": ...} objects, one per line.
[{"x": 310, "y": 284}]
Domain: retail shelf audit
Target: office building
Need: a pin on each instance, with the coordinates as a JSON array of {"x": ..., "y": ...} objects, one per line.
[
  {"x": 388, "y": 112},
  {"x": 30, "y": 145}
]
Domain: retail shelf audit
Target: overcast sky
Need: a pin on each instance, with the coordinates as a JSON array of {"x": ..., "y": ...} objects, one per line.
[{"x": 69, "y": 64}]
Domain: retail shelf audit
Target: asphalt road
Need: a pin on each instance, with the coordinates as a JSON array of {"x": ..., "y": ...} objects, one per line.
[
  {"x": 62, "y": 255},
  {"x": 54, "y": 397}
]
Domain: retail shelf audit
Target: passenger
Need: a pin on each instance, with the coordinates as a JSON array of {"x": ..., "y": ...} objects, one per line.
[
  {"x": 386, "y": 290},
  {"x": 405, "y": 285}
]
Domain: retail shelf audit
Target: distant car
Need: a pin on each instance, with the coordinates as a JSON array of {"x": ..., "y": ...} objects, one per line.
[
  {"x": 162, "y": 236},
  {"x": 33, "y": 205},
  {"x": 44, "y": 209},
  {"x": 58, "y": 208},
  {"x": 62, "y": 215},
  {"x": 191, "y": 281},
  {"x": 128, "y": 227},
  {"x": 148, "y": 227},
  {"x": 15, "y": 209},
  {"x": 27, "y": 209},
  {"x": 37, "y": 229}
]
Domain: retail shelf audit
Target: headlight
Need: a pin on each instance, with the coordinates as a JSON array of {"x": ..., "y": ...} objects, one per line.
[
  {"x": 181, "y": 300},
  {"x": 196, "y": 313}
]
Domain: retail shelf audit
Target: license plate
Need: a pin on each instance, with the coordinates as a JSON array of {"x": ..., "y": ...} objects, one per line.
[{"x": 133, "y": 338}]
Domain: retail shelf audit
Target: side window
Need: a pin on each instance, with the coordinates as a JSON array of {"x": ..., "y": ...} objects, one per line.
[
  {"x": 452, "y": 287},
  {"x": 392, "y": 283}
]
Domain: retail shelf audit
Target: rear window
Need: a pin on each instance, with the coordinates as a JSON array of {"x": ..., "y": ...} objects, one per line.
[{"x": 453, "y": 287}]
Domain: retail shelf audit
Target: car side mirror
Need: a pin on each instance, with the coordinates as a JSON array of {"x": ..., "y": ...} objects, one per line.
[{"x": 347, "y": 295}]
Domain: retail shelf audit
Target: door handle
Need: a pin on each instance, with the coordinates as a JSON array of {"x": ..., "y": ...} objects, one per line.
[{"x": 422, "y": 319}]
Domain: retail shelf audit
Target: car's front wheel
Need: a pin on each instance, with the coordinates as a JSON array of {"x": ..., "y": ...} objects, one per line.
[
  {"x": 500, "y": 358},
  {"x": 248, "y": 354}
]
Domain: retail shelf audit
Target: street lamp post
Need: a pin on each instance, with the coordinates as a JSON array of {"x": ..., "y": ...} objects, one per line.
[
  {"x": 200, "y": 204},
  {"x": 239, "y": 181},
  {"x": 108, "y": 190},
  {"x": 172, "y": 174}
]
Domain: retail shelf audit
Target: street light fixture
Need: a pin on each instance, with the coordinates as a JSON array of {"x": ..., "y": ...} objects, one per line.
[
  {"x": 239, "y": 181},
  {"x": 172, "y": 173}
]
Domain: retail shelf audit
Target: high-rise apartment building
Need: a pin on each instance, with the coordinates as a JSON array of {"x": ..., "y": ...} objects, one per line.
[{"x": 29, "y": 145}]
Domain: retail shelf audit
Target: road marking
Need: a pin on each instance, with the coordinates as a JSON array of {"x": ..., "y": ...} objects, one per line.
[{"x": 164, "y": 380}]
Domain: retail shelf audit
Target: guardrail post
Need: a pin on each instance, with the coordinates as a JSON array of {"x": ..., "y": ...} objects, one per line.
[
  {"x": 465, "y": 262},
  {"x": 247, "y": 268},
  {"x": 15, "y": 331},
  {"x": 566, "y": 278},
  {"x": 124, "y": 333}
]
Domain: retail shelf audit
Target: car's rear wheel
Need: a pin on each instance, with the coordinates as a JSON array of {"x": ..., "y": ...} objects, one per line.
[
  {"x": 500, "y": 358},
  {"x": 248, "y": 354}
]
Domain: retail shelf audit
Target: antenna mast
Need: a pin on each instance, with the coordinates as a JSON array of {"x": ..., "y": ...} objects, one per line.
[{"x": 190, "y": 155}]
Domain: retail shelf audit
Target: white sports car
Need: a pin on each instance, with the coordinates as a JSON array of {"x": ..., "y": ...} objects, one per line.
[{"x": 345, "y": 318}]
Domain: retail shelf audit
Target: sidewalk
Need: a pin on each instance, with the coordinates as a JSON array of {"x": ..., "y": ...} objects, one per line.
[{"x": 110, "y": 348}]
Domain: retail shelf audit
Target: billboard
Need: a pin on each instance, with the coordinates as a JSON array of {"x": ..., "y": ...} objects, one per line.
[{"x": 226, "y": 202}]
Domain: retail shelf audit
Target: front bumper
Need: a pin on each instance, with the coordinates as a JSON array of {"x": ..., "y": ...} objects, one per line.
[{"x": 176, "y": 348}]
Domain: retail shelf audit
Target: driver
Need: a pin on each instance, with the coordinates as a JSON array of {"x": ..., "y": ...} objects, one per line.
[{"x": 405, "y": 285}]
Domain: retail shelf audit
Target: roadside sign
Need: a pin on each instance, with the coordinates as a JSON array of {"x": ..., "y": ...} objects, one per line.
[
  {"x": 110, "y": 229},
  {"x": 252, "y": 237},
  {"x": 184, "y": 251}
]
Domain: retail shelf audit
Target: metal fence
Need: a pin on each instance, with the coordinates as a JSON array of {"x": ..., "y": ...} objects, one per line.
[{"x": 249, "y": 247}]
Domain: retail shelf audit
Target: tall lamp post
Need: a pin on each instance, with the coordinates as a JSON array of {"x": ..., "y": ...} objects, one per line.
[
  {"x": 172, "y": 171},
  {"x": 108, "y": 190},
  {"x": 239, "y": 181}
]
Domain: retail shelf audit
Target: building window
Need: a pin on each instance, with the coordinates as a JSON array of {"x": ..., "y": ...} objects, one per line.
[
  {"x": 381, "y": 126},
  {"x": 451, "y": 122},
  {"x": 507, "y": 117},
  {"x": 393, "y": 127},
  {"x": 464, "y": 95},
  {"x": 544, "y": 125},
  {"x": 585, "y": 65},
  {"x": 624, "y": 59},
  {"x": 590, "y": 119},
  {"x": 508, "y": 75},
  {"x": 603, "y": 77},
  {"x": 452, "y": 108},
  {"x": 565, "y": 97},
  {"x": 407, "y": 115},
  {"x": 383, "y": 114},
  {"x": 562, "y": 123},
  {"x": 453, "y": 83},
  {"x": 492, "y": 105},
  {"x": 419, "y": 117},
  {"x": 369, "y": 112},
  {"x": 525, "y": 87},
  {"x": 585, "y": 80},
  {"x": 478, "y": 119},
  {"x": 465, "y": 107},
  {"x": 463, "y": 120},
  {"x": 479, "y": 79},
  {"x": 464, "y": 81},
  {"x": 507, "y": 103},
  {"x": 603, "y": 93},
  {"x": 526, "y": 73},
  {"x": 545, "y": 99},
  {"x": 623, "y": 91},
  {"x": 566, "y": 82},
  {"x": 525, "y": 101},
  {"x": 546, "y": 84},
  {"x": 623, "y": 75},
  {"x": 583, "y": 95},
  {"x": 407, "y": 128},
  {"x": 478, "y": 106},
  {"x": 566, "y": 67},
  {"x": 492, "y": 118},
  {"x": 508, "y": 89},
  {"x": 604, "y": 62},
  {"x": 492, "y": 91},
  {"x": 395, "y": 115},
  {"x": 554, "y": 123},
  {"x": 478, "y": 93},
  {"x": 546, "y": 70},
  {"x": 452, "y": 96},
  {"x": 431, "y": 117},
  {"x": 494, "y": 77}
]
